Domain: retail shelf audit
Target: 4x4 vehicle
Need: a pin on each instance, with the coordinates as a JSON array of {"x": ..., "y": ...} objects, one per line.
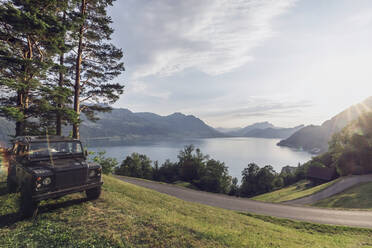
[{"x": 50, "y": 167}]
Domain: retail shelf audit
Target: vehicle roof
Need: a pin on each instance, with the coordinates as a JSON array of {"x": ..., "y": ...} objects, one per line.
[{"x": 49, "y": 138}]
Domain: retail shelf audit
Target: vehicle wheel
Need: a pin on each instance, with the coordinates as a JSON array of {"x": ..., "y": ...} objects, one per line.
[
  {"x": 12, "y": 186},
  {"x": 94, "y": 193},
  {"x": 28, "y": 207}
]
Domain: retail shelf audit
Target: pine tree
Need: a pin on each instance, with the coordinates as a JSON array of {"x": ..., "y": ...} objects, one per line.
[
  {"x": 59, "y": 91},
  {"x": 29, "y": 37},
  {"x": 62, "y": 98},
  {"x": 46, "y": 45},
  {"x": 96, "y": 62}
]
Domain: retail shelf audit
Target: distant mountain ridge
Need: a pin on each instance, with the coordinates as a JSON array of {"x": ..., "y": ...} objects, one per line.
[
  {"x": 274, "y": 133},
  {"x": 226, "y": 129},
  {"x": 315, "y": 138},
  {"x": 262, "y": 130},
  {"x": 125, "y": 126},
  {"x": 122, "y": 126},
  {"x": 256, "y": 126}
]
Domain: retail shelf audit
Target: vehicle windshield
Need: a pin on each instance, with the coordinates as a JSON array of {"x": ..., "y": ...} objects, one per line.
[{"x": 54, "y": 149}]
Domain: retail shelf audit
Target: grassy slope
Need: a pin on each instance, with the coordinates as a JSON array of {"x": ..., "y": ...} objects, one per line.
[
  {"x": 295, "y": 191},
  {"x": 359, "y": 196},
  {"x": 130, "y": 216}
]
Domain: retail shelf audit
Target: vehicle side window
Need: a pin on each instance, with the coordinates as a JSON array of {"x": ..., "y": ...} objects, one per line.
[{"x": 74, "y": 147}]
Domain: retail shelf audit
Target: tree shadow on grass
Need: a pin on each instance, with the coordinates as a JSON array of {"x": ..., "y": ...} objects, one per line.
[
  {"x": 13, "y": 218},
  {"x": 51, "y": 207},
  {"x": 9, "y": 219}
]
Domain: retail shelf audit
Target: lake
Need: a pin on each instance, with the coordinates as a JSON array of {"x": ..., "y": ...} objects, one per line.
[{"x": 235, "y": 152}]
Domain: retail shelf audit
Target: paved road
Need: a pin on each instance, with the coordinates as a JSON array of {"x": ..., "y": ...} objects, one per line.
[
  {"x": 310, "y": 214},
  {"x": 336, "y": 188}
]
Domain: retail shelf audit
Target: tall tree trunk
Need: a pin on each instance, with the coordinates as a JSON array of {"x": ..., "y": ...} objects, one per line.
[
  {"x": 75, "y": 128},
  {"x": 60, "y": 84},
  {"x": 59, "y": 105},
  {"x": 23, "y": 98},
  {"x": 20, "y": 123}
]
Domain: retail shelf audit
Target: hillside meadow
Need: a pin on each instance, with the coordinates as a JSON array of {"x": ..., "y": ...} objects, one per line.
[
  {"x": 298, "y": 190},
  {"x": 130, "y": 216},
  {"x": 357, "y": 197}
]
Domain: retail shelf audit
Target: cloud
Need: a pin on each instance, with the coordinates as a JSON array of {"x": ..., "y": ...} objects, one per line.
[
  {"x": 213, "y": 36},
  {"x": 263, "y": 109},
  {"x": 139, "y": 87},
  {"x": 361, "y": 19},
  {"x": 281, "y": 113}
]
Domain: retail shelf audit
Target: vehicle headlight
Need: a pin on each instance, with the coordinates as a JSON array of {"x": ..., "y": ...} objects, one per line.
[
  {"x": 47, "y": 181},
  {"x": 38, "y": 182}
]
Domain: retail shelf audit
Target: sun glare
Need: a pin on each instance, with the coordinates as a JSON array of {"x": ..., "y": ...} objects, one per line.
[{"x": 3, "y": 161}]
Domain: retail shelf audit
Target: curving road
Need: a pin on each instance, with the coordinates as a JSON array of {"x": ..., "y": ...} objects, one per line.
[
  {"x": 338, "y": 187},
  {"x": 310, "y": 214}
]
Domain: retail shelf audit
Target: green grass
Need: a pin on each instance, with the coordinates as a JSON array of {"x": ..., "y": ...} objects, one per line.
[
  {"x": 298, "y": 190},
  {"x": 178, "y": 183},
  {"x": 130, "y": 216},
  {"x": 358, "y": 197},
  {"x": 185, "y": 184}
]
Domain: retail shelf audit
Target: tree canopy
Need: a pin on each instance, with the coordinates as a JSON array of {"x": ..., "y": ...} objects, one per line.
[{"x": 56, "y": 62}]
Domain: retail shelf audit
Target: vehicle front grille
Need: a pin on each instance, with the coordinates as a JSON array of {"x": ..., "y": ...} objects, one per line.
[{"x": 70, "y": 178}]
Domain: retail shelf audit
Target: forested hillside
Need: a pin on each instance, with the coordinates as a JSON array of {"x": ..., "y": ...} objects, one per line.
[
  {"x": 277, "y": 133},
  {"x": 315, "y": 138},
  {"x": 124, "y": 126},
  {"x": 261, "y": 130},
  {"x": 350, "y": 150}
]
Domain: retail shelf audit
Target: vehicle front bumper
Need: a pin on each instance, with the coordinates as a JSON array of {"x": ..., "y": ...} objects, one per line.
[{"x": 62, "y": 192}]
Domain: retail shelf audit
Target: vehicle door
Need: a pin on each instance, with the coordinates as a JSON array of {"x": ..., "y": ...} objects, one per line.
[{"x": 74, "y": 170}]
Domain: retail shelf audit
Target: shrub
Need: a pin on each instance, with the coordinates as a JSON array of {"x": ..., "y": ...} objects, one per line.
[
  {"x": 108, "y": 164},
  {"x": 136, "y": 165}
]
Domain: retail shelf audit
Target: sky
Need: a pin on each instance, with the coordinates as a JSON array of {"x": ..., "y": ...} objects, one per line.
[{"x": 232, "y": 63}]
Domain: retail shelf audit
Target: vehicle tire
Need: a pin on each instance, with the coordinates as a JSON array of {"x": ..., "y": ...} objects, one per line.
[
  {"x": 28, "y": 207},
  {"x": 12, "y": 186},
  {"x": 94, "y": 193}
]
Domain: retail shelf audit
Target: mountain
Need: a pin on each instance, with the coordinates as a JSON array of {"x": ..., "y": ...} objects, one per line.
[
  {"x": 273, "y": 133},
  {"x": 124, "y": 126},
  {"x": 262, "y": 130},
  {"x": 350, "y": 150},
  {"x": 227, "y": 130},
  {"x": 315, "y": 138},
  {"x": 243, "y": 131},
  {"x": 121, "y": 126}
]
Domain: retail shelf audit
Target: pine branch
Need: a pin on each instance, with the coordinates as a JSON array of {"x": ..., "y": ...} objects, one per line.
[{"x": 87, "y": 98}]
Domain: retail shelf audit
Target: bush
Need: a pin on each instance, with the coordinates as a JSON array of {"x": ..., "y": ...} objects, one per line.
[
  {"x": 278, "y": 182},
  {"x": 215, "y": 177},
  {"x": 197, "y": 169},
  {"x": 249, "y": 180},
  {"x": 234, "y": 188},
  {"x": 191, "y": 164},
  {"x": 136, "y": 165},
  {"x": 168, "y": 172},
  {"x": 258, "y": 180},
  {"x": 108, "y": 164}
]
